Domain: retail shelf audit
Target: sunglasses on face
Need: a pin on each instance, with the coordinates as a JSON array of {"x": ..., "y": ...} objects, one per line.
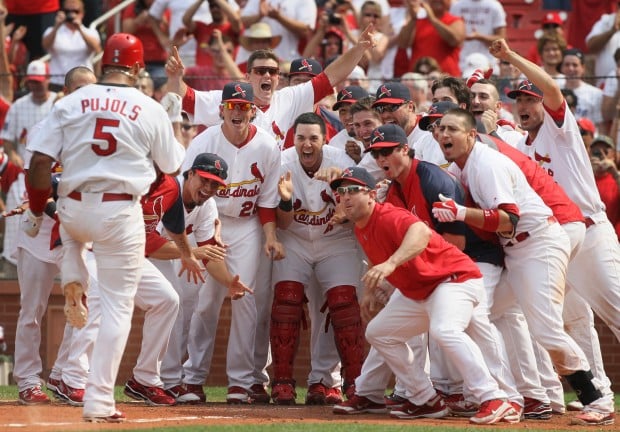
[
  {"x": 351, "y": 190},
  {"x": 243, "y": 106},
  {"x": 262, "y": 70},
  {"x": 211, "y": 170},
  {"x": 384, "y": 151},
  {"x": 387, "y": 108}
]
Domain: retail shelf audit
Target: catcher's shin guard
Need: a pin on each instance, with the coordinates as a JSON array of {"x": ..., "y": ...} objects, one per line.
[
  {"x": 286, "y": 318},
  {"x": 344, "y": 314}
]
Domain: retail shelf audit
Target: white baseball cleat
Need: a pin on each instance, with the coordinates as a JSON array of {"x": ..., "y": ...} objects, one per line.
[{"x": 75, "y": 304}]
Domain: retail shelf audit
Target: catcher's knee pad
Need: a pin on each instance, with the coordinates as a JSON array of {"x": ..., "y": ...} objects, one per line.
[
  {"x": 286, "y": 317},
  {"x": 344, "y": 314}
]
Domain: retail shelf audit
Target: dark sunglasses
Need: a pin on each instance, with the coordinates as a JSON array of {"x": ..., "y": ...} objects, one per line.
[
  {"x": 387, "y": 108},
  {"x": 383, "y": 151},
  {"x": 262, "y": 70},
  {"x": 211, "y": 170}
]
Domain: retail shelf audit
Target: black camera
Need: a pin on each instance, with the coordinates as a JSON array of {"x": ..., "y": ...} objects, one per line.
[{"x": 334, "y": 18}]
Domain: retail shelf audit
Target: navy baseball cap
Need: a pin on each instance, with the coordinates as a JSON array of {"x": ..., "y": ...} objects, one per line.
[
  {"x": 574, "y": 52},
  {"x": 392, "y": 93},
  {"x": 387, "y": 135},
  {"x": 211, "y": 166},
  {"x": 356, "y": 175},
  {"x": 238, "y": 92},
  {"x": 525, "y": 87},
  {"x": 349, "y": 95},
  {"x": 306, "y": 66},
  {"x": 435, "y": 112}
]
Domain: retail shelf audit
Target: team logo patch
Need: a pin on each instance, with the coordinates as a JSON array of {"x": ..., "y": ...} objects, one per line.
[
  {"x": 217, "y": 164},
  {"x": 432, "y": 110},
  {"x": 541, "y": 159},
  {"x": 526, "y": 85},
  {"x": 345, "y": 94},
  {"x": 377, "y": 136},
  {"x": 384, "y": 92},
  {"x": 305, "y": 65},
  {"x": 347, "y": 173},
  {"x": 239, "y": 91}
]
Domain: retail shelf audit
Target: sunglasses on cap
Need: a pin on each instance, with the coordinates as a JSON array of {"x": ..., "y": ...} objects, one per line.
[
  {"x": 351, "y": 190},
  {"x": 211, "y": 170},
  {"x": 243, "y": 106},
  {"x": 387, "y": 108},
  {"x": 431, "y": 127},
  {"x": 384, "y": 151},
  {"x": 262, "y": 70}
]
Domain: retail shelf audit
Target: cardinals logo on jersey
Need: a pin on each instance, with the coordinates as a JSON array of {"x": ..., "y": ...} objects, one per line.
[
  {"x": 327, "y": 198},
  {"x": 344, "y": 94},
  {"x": 541, "y": 159},
  {"x": 377, "y": 136},
  {"x": 239, "y": 92},
  {"x": 256, "y": 172},
  {"x": 384, "y": 92},
  {"x": 276, "y": 130},
  {"x": 305, "y": 65},
  {"x": 152, "y": 217}
]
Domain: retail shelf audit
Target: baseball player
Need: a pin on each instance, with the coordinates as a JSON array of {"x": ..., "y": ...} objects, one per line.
[
  {"x": 431, "y": 295},
  {"x": 553, "y": 140},
  {"x": 313, "y": 247},
  {"x": 103, "y": 135},
  {"x": 525, "y": 227},
  {"x": 198, "y": 185},
  {"x": 246, "y": 207},
  {"x": 346, "y": 138}
]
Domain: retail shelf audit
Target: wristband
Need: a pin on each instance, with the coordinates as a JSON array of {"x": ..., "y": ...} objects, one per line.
[
  {"x": 491, "y": 220},
  {"x": 286, "y": 206}
]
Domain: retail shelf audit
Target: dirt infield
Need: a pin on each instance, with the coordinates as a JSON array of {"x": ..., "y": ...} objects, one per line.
[{"x": 58, "y": 417}]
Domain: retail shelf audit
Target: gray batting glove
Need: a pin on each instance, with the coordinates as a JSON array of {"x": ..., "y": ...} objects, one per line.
[
  {"x": 172, "y": 104},
  {"x": 30, "y": 224}
]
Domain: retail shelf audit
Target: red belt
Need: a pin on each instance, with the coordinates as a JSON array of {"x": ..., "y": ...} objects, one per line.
[
  {"x": 589, "y": 222},
  {"x": 107, "y": 196}
]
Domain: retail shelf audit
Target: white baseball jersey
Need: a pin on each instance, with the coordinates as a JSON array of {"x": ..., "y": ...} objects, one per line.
[
  {"x": 21, "y": 117},
  {"x": 339, "y": 140},
  {"x": 561, "y": 152},
  {"x": 313, "y": 200},
  {"x": 481, "y": 16},
  {"x": 286, "y": 105},
  {"x": 509, "y": 135},
  {"x": 126, "y": 130},
  {"x": 427, "y": 149},
  {"x": 370, "y": 164},
  {"x": 254, "y": 171},
  {"x": 493, "y": 179}
]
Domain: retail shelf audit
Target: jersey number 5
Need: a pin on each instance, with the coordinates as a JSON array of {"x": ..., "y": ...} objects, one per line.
[{"x": 104, "y": 135}]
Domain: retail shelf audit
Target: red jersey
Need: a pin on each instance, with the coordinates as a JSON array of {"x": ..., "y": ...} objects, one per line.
[
  {"x": 552, "y": 194},
  {"x": 202, "y": 34},
  {"x": 428, "y": 43},
  {"x": 162, "y": 203},
  {"x": 33, "y": 7},
  {"x": 418, "y": 277},
  {"x": 608, "y": 188}
]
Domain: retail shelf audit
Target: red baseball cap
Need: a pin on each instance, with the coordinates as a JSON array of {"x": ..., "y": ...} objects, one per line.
[
  {"x": 586, "y": 125},
  {"x": 552, "y": 18}
]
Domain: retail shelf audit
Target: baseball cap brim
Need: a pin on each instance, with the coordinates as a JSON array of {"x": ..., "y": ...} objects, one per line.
[
  {"x": 382, "y": 144},
  {"x": 237, "y": 100},
  {"x": 38, "y": 78},
  {"x": 388, "y": 101},
  {"x": 512, "y": 94},
  {"x": 340, "y": 103},
  {"x": 337, "y": 182},
  {"x": 428, "y": 119},
  {"x": 210, "y": 176}
]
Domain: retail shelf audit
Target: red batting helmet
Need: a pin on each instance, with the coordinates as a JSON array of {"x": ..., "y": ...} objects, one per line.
[{"x": 123, "y": 49}]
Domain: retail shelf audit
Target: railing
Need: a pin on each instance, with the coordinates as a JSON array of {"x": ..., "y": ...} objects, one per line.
[{"x": 115, "y": 11}]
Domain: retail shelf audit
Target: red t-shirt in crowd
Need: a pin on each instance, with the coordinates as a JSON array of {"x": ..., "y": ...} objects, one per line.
[
  {"x": 32, "y": 7},
  {"x": 608, "y": 188},
  {"x": 153, "y": 51},
  {"x": 202, "y": 34},
  {"x": 418, "y": 277},
  {"x": 428, "y": 43}
]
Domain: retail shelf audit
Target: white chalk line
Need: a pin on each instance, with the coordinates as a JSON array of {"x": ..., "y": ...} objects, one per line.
[{"x": 143, "y": 420}]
